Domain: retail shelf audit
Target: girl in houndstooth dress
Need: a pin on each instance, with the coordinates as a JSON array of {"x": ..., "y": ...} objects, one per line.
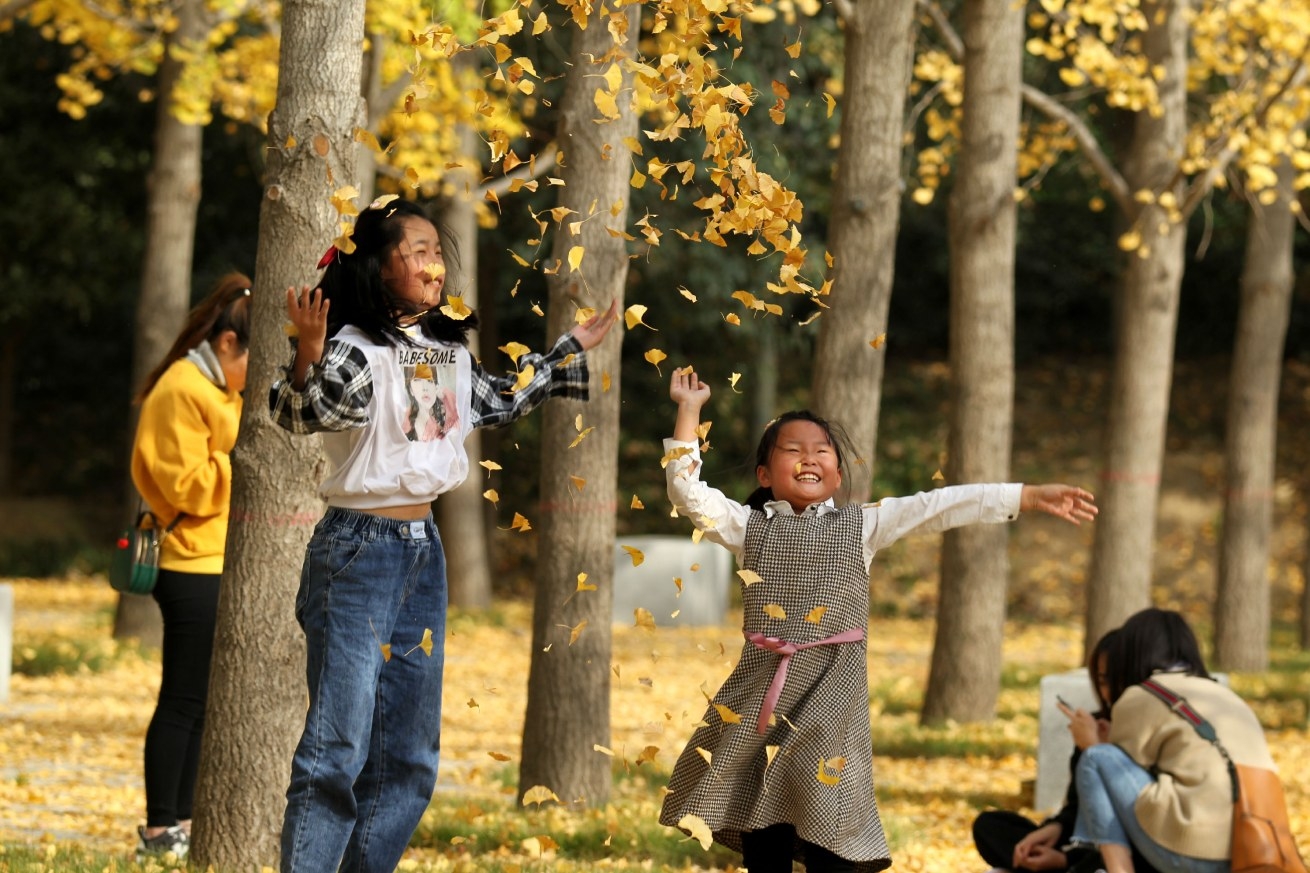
[{"x": 781, "y": 765}]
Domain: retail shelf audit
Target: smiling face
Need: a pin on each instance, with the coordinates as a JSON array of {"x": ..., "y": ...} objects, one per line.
[
  {"x": 803, "y": 467},
  {"x": 415, "y": 270}
]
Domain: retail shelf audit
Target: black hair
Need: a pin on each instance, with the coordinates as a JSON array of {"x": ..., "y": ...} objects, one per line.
[
  {"x": 1102, "y": 649},
  {"x": 1151, "y": 640},
  {"x": 226, "y": 307},
  {"x": 769, "y": 439},
  {"x": 353, "y": 282}
]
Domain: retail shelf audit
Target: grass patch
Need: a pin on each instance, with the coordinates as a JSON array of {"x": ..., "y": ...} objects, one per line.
[
  {"x": 64, "y": 858},
  {"x": 64, "y": 656}
]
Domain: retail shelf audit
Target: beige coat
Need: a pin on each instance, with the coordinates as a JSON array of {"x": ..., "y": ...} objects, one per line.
[{"x": 1188, "y": 808}]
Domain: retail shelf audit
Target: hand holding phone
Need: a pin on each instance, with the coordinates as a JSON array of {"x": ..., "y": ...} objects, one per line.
[{"x": 1066, "y": 707}]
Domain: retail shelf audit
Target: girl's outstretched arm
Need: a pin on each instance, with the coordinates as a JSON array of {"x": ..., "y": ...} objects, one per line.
[
  {"x": 691, "y": 394},
  {"x": 308, "y": 313},
  {"x": 1063, "y": 501}
]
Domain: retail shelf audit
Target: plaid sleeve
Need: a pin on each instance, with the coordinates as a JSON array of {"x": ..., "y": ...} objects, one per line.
[
  {"x": 335, "y": 397},
  {"x": 561, "y": 372}
]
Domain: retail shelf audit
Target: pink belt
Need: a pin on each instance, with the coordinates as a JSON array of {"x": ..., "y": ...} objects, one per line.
[{"x": 786, "y": 649}]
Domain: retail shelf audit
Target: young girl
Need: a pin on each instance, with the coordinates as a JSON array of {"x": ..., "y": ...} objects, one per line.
[
  {"x": 190, "y": 407},
  {"x": 372, "y": 598},
  {"x": 781, "y": 766}
]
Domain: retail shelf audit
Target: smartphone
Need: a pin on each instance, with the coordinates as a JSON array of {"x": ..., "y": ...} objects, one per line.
[{"x": 1066, "y": 704}]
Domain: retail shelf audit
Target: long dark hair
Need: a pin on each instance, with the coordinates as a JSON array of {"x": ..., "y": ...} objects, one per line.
[
  {"x": 1151, "y": 640},
  {"x": 769, "y": 439},
  {"x": 353, "y": 282},
  {"x": 1102, "y": 649},
  {"x": 227, "y": 307}
]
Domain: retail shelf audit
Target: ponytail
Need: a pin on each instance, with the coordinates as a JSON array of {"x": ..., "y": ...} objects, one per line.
[{"x": 226, "y": 308}]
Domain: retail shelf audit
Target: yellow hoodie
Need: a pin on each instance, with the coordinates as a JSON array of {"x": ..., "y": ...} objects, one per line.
[{"x": 180, "y": 463}]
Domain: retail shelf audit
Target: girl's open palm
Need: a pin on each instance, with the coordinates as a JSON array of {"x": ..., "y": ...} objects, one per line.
[
  {"x": 308, "y": 312},
  {"x": 593, "y": 330},
  {"x": 687, "y": 388}
]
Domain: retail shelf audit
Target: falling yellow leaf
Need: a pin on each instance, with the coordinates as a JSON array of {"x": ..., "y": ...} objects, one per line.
[
  {"x": 728, "y": 716},
  {"x": 492, "y": 495},
  {"x": 520, "y": 524},
  {"x": 575, "y": 257},
  {"x": 749, "y": 577},
  {"x": 836, "y": 765},
  {"x": 647, "y": 754},
  {"x": 386, "y": 651},
  {"x": 879, "y": 341},
  {"x": 643, "y": 618},
  {"x": 938, "y": 477},
  {"x": 498, "y": 756},
  {"x": 654, "y": 356},
  {"x": 697, "y": 828},
  {"x": 633, "y": 317},
  {"x": 578, "y": 482},
  {"x": 686, "y": 293},
  {"x": 472, "y": 704},
  {"x": 773, "y": 610},
  {"x": 580, "y": 437},
  {"x": 583, "y": 584},
  {"x": 456, "y": 308},
  {"x": 576, "y": 631},
  {"x": 524, "y": 378},
  {"x": 635, "y": 554},
  {"x": 706, "y": 754},
  {"x": 770, "y": 752},
  {"x": 732, "y": 382},
  {"x": 515, "y": 351},
  {"x": 732, "y": 319},
  {"x": 489, "y": 465},
  {"x": 815, "y": 615},
  {"x": 539, "y": 794},
  {"x": 636, "y": 503},
  {"x": 426, "y": 644}
]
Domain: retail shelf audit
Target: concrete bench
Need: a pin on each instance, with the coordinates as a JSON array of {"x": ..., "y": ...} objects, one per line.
[
  {"x": 1054, "y": 743},
  {"x": 706, "y": 571},
  {"x": 6, "y": 639}
]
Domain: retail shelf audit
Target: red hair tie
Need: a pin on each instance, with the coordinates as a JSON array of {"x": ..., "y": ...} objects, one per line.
[{"x": 327, "y": 257}]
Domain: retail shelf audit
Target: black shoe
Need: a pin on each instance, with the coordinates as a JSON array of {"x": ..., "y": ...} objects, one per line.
[{"x": 173, "y": 840}]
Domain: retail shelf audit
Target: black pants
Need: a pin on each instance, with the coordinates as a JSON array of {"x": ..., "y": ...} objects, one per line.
[
  {"x": 189, "y": 603},
  {"x": 769, "y": 850}
]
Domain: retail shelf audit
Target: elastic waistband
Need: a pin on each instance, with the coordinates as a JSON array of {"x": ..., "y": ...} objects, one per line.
[{"x": 378, "y": 526}]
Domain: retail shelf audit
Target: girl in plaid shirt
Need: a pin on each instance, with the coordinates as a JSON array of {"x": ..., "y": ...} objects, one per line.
[{"x": 372, "y": 598}]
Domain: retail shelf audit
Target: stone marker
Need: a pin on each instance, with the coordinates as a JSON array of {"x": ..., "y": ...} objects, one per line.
[{"x": 706, "y": 571}]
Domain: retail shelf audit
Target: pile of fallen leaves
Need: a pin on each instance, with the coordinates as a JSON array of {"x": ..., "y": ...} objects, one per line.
[{"x": 71, "y": 739}]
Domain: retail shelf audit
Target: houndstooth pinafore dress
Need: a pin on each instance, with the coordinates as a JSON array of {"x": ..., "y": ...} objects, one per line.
[{"x": 812, "y": 567}]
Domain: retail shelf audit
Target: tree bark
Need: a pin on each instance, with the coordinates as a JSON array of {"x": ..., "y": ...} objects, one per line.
[
  {"x": 569, "y": 684},
  {"x": 461, "y": 515},
  {"x": 847, "y": 381},
  {"x": 965, "y": 674},
  {"x": 1120, "y": 581},
  {"x": 257, "y": 694},
  {"x": 172, "y": 201},
  {"x": 1241, "y": 613}
]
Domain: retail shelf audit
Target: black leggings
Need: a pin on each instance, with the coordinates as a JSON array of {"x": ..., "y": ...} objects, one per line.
[
  {"x": 769, "y": 850},
  {"x": 189, "y": 604}
]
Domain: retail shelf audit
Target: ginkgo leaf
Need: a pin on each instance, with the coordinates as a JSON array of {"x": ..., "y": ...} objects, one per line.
[
  {"x": 733, "y": 319},
  {"x": 426, "y": 643},
  {"x": 576, "y": 631},
  {"x": 773, "y": 610},
  {"x": 472, "y": 704},
  {"x": 815, "y": 615},
  {"x": 633, "y": 316},
  {"x": 643, "y": 618},
  {"x": 456, "y": 308},
  {"x": 539, "y": 794},
  {"x": 520, "y": 524},
  {"x": 489, "y": 465},
  {"x": 578, "y": 482},
  {"x": 706, "y": 754},
  {"x": 525, "y": 377},
  {"x": 575, "y": 257},
  {"x": 733, "y": 380},
  {"x": 696, "y": 827},
  {"x": 879, "y": 341},
  {"x": 583, "y": 584},
  {"x": 749, "y": 577},
  {"x": 647, "y": 754},
  {"x": 368, "y": 139},
  {"x": 580, "y": 437},
  {"x": 636, "y": 503},
  {"x": 836, "y": 765},
  {"x": 635, "y": 554},
  {"x": 728, "y": 716},
  {"x": 515, "y": 350},
  {"x": 499, "y": 756},
  {"x": 654, "y": 356},
  {"x": 770, "y": 752},
  {"x": 685, "y": 293},
  {"x": 386, "y": 651},
  {"x": 938, "y": 477},
  {"x": 492, "y": 495}
]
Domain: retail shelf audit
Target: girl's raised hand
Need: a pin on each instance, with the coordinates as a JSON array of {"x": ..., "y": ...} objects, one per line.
[
  {"x": 593, "y": 330},
  {"x": 308, "y": 312},
  {"x": 1063, "y": 501},
  {"x": 686, "y": 388}
]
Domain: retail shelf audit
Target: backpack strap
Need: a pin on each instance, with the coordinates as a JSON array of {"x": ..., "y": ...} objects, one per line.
[{"x": 1184, "y": 710}]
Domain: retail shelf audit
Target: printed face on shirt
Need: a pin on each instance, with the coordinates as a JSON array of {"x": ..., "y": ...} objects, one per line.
[
  {"x": 415, "y": 270},
  {"x": 803, "y": 467}
]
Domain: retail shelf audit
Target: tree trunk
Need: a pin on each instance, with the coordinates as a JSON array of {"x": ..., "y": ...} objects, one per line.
[
  {"x": 569, "y": 685},
  {"x": 173, "y": 198},
  {"x": 1120, "y": 581},
  {"x": 257, "y": 694},
  {"x": 461, "y": 515},
  {"x": 1241, "y": 613},
  {"x": 965, "y": 675},
  {"x": 847, "y": 382}
]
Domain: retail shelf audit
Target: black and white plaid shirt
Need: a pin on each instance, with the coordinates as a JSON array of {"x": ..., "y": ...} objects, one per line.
[{"x": 339, "y": 388}]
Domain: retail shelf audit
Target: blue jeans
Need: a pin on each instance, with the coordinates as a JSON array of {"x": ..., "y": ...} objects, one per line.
[
  {"x": 1108, "y": 785},
  {"x": 366, "y": 764}
]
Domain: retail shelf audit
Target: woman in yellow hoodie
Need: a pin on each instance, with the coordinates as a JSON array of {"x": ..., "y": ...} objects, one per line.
[{"x": 190, "y": 408}]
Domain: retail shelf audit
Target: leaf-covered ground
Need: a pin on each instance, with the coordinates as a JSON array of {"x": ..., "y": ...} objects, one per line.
[{"x": 72, "y": 730}]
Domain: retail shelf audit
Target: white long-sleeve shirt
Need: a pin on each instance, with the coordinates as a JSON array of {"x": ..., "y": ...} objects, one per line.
[{"x": 723, "y": 520}]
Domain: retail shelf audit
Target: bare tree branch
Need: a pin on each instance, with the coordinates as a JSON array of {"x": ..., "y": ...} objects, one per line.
[
  {"x": 954, "y": 44},
  {"x": 544, "y": 162}
]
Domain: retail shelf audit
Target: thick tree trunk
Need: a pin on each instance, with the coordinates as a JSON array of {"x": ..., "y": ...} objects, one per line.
[
  {"x": 257, "y": 684},
  {"x": 569, "y": 685},
  {"x": 461, "y": 517},
  {"x": 965, "y": 675},
  {"x": 173, "y": 197},
  {"x": 866, "y": 208},
  {"x": 1120, "y": 582},
  {"x": 1241, "y": 613}
]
